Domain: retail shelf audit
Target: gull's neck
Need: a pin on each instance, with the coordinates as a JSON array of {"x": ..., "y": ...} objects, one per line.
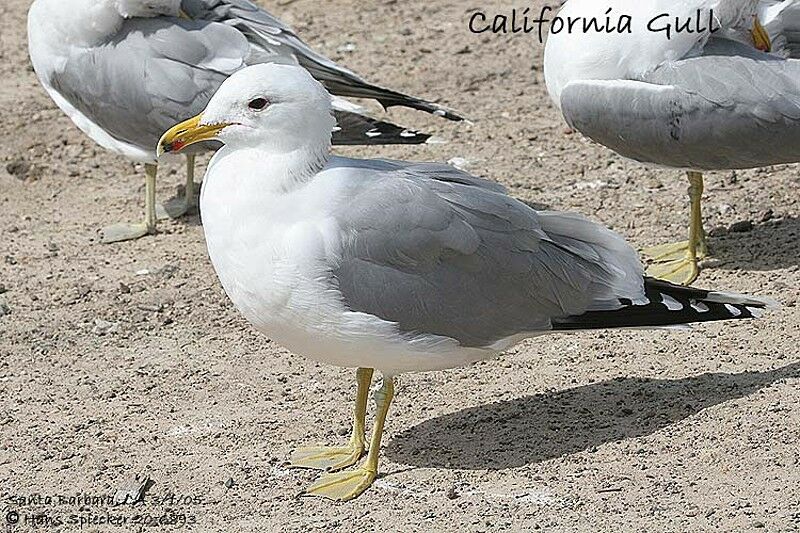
[
  {"x": 270, "y": 170},
  {"x": 299, "y": 167}
]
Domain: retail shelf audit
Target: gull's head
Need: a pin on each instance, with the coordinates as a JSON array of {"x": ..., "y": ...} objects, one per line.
[
  {"x": 280, "y": 108},
  {"x": 148, "y": 8}
]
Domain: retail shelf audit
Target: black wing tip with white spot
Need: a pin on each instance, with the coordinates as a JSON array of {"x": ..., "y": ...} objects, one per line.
[
  {"x": 358, "y": 130},
  {"x": 671, "y": 305}
]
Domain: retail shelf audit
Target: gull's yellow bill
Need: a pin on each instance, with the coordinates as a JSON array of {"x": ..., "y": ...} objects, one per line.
[{"x": 186, "y": 134}]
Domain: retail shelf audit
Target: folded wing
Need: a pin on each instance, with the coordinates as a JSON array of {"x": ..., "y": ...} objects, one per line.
[
  {"x": 462, "y": 260},
  {"x": 732, "y": 108}
]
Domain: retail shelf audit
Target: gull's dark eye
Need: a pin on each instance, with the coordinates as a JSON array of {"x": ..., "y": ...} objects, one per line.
[{"x": 258, "y": 104}]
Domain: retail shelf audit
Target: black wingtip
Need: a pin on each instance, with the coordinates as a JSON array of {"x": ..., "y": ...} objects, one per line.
[
  {"x": 359, "y": 130},
  {"x": 670, "y": 305}
]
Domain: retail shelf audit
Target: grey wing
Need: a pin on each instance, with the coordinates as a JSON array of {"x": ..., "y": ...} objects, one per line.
[
  {"x": 706, "y": 113},
  {"x": 273, "y": 41},
  {"x": 465, "y": 262},
  {"x": 156, "y": 73}
]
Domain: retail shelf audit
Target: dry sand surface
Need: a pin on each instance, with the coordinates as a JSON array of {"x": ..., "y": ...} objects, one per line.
[{"x": 125, "y": 359}]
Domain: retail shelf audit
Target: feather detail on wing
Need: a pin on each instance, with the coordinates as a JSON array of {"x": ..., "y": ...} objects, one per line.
[{"x": 436, "y": 251}]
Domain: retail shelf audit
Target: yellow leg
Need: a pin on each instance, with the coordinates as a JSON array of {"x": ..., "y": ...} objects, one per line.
[
  {"x": 178, "y": 207},
  {"x": 151, "y": 172},
  {"x": 332, "y": 459},
  {"x": 129, "y": 232},
  {"x": 350, "y": 484},
  {"x": 679, "y": 262}
]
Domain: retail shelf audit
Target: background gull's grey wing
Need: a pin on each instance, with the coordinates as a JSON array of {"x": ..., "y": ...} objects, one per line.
[
  {"x": 158, "y": 73},
  {"x": 706, "y": 113},
  {"x": 273, "y": 41},
  {"x": 161, "y": 71},
  {"x": 458, "y": 259}
]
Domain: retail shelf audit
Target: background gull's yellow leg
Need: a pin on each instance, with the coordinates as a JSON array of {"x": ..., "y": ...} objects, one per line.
[
  {"x": 350, "y": 484},
  {"x": 698, "y": 246},
  {"x": 330, "y": 458},
  {"x": 679, "y": 262},
  {"x": 128, "y": 232}
]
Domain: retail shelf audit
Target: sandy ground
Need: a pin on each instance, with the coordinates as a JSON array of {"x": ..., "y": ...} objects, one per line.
[{"x": 125, "y": 359}]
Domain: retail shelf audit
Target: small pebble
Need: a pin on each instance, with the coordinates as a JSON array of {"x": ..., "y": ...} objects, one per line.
[
  {"x": 718, "y": 231},
  {"x": 19, "y": 168},
  {"x": 103, "y": 327},
  {"x": 742, "y": 227}
]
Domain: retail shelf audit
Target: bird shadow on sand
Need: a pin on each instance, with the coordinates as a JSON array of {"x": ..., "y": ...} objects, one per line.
[
  {"x": 771, "y": 245},
  {"x": 536, "y": 428},
  {"x": 172, "y": 207}
]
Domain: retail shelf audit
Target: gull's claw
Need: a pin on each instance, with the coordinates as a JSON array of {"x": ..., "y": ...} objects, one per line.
[
  {"x": 326, "y": 458},
  {"x": 343, "y": 486},
  {"x": 124, "y": 232},
  {"x": 674, "y": 262}
]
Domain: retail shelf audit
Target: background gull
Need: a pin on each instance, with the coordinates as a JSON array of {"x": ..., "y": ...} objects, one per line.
[
  {"x": 398, "y": 266},
  {"x": 696, "y": 102},
  {"x": 126, "y": 70}
]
